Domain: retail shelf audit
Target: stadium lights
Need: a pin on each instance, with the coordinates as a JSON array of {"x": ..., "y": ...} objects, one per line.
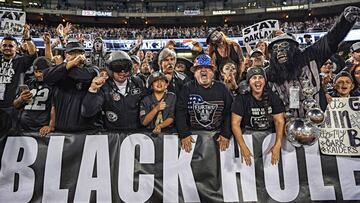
[
  {"x": 17, "y": 2},
  {"x": 2, "y": 0}
]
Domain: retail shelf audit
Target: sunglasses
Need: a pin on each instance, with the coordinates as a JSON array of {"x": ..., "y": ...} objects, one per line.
[{"x": 280, "y": 45}]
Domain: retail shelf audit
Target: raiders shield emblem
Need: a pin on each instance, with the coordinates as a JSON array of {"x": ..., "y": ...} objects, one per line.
[
  {"x": 111, "y": 116},
  {"x": 204, "y": 113},
  {"x": 79, "y": 86},
  {"x": 135, "y": 91},
  {"x": 116, "y": 96}
]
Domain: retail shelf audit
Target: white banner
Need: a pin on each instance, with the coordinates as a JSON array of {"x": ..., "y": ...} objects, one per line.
[
  {"x": 192, "y": 12},
  {"x": 260, "y": 31},
  {"x": 12, "y": 21},
  {"x": 95, "y": 13},
  {"x": 342, "y": 127},
  {"x": 224, "y": 12}
]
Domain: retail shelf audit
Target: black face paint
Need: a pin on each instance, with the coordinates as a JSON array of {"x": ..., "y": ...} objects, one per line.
[
  {"x": 98, "y": 46},
  {"x": 283, "y": 62},
  {"x": 281, "y": 51}
]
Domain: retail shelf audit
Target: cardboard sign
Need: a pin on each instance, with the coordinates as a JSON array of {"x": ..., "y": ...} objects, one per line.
[
  {"x": 12, "y": 21},
  {"x": 260, "y": 31},
  {"x": 340, "y": 136}
]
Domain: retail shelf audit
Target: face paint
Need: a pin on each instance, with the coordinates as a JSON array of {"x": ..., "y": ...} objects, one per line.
[
  {"x": 281, "y": 51},
  {"x": 216, "y": 37}
]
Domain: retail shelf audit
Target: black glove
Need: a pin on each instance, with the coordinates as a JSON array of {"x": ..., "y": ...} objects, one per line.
[
  {"x": 352, "y": 13},
  {"x": 244, "y": 87}
]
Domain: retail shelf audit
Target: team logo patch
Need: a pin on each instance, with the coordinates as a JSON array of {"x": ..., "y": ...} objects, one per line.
[
  {"x": 111, "y": 116},
  {"x": 116, "y": 96},
  {"x": 135, "y": 91},
  {"x": 260, "y": 122},
  {"x": 79, "y": 86},
  {"x": 204, "y": 113}
]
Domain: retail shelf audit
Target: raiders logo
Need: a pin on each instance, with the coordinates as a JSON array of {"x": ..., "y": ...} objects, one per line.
[
  {"x": 204, "y": 113},
  {"x": 135, "y": 91},
  {"x": 260, "y": 122},
  {"x": 116, "y": 96},
  {"x": 79, "y": 86},
  {"x": 111, "y": 116}
]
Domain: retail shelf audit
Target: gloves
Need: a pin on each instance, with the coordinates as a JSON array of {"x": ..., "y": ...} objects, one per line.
[
  {"x": 352, "y": 13},
  {"x": 244, "y": 88}
]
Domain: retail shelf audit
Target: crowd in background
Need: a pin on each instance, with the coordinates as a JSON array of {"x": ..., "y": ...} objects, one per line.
[
  {"x": 151, "y": 32},
  {"x": 220, "y": 89}
]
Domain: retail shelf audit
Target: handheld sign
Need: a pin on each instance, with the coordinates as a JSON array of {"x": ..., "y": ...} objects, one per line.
[
  {"x": 260, "y": 31},
  {"x": 12, "y": 21},
  {"x": 340, "y": 135}
]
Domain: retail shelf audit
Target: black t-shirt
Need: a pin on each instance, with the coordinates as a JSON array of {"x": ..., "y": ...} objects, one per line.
[
  {"x": 10, "y": 71},
  {"x": 253, "y": 112},
  {"x": 150, "y": 101},
  {"x": 203, "y": 108}
]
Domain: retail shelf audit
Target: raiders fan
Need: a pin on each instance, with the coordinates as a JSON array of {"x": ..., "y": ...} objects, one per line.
[
  {"x": 35, "y": 102},
  {"x": 204, "y": 104},
  {"x": 117, "y": 97},
  {"x": 167, "y": 61},
  {"x": 12, "y": 66},
  {"x": 98, "y": 53},
  {"x": 157, "y": 109},
  {"x": 257, "y": 110},
  {"x": 71, "y": 80}
]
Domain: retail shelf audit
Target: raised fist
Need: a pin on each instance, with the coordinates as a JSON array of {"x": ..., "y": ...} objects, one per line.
[{"x": 352, "y": 13}]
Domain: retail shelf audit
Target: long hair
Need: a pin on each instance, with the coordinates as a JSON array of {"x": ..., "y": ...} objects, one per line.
[
  {"x": 356, "y": 84},
  {"x": 212, "y": 46},
  {"x": 266, "y": 53},
  {"x": 279, "y": 73}
]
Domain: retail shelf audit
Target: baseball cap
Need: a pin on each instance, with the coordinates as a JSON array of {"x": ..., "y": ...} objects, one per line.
[{"x": 202, "y": 60}]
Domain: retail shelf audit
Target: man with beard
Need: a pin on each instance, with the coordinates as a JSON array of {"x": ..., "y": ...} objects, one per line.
[
  {"x": 290, "y": 66},
  {"x": 145, "y": 71},
  {"x": 203, "y": 104},
  {"x": 167, "y": 61},
  {"x": 117, "y": 96},
  {"x": 13, "y": 66},
  {"x": 71, "y": 79},
  {"x": 36, "y": 101},
  {"x": 136, "y": 64}
]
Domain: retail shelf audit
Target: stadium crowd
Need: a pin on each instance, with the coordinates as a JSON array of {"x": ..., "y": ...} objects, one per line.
[
  {"x": 221, "y": 89},
  {"x": 151, "y": 32}
]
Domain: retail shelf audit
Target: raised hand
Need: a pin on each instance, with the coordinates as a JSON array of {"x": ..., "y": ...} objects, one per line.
[
  {"x": 352, "y": 13},
  {"x": 60, "y": 30},
  {"x": 26, "y": 32},
  {"x": 67, "y": 28},
  {"x": 46, "y": 38}
]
